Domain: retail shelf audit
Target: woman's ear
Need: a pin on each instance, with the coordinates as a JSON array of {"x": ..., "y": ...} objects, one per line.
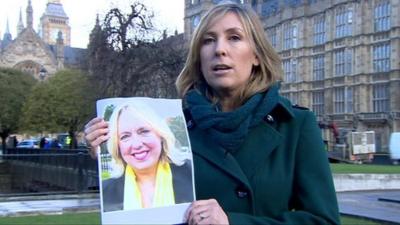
[{"x": 256, "y": 62}]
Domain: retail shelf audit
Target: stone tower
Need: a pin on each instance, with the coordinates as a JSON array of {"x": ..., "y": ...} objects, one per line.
[{"x": 53, "y": 20}]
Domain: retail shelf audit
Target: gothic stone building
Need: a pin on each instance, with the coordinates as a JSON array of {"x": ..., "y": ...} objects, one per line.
[
  {"x": 44, "y": 53},
  {"x": 341, "y": 58}
]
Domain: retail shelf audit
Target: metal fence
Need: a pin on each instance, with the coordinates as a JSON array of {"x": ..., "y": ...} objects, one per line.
[
  {"x": 106, "y": 162},
  {"x": 47, "y": 170}
]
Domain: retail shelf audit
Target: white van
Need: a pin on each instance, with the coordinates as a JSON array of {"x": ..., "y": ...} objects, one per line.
[{"x": 394, "y": 147}]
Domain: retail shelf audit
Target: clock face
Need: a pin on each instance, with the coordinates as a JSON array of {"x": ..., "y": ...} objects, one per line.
[{"x": 54, "y": 35}]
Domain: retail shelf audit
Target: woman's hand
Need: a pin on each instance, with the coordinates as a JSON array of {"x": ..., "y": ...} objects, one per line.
[
  {"x": 206, "y": 212},
  {"x": 96, "y": 132}
]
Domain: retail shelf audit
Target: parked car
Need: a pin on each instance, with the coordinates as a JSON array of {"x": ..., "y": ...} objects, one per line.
[
  {"x": 54, "y": 143},
  {"x": 30, "y": 143}
]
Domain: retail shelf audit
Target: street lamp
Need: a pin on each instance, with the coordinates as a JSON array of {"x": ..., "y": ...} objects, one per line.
[{"x": 42, "y": 73}]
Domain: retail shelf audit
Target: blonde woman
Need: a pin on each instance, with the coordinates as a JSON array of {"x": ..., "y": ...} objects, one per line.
[
  {"x": 153, "y": 172},
  {"x": 257, "y": 158}
]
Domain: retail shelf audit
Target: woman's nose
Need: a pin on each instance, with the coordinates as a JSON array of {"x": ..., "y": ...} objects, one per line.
[
  {"x": 136, "y": 143},
  {"x": 220, "y": 48}
]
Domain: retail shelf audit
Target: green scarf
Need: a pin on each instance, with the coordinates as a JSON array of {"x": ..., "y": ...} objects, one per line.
[{"x": 229, "y": 129}]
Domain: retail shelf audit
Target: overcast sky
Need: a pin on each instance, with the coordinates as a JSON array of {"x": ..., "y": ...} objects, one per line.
[{"x": 82, "y": 15}]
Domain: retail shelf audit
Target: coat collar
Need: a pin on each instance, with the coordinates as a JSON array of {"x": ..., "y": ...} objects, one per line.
[{"x": 283, "y": 110}]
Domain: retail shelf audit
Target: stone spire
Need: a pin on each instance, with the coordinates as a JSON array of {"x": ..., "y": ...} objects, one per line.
[
  {"x": 29, "y": 15},
  {"x": 7, "y": 28},
  {"x": 20, "y": 26},
  {"x": 7, "y": 38},
  {"x": 97, "y": 20},
  {"x": 165, "y": 35},
  {"x": 97, "y": 27}
]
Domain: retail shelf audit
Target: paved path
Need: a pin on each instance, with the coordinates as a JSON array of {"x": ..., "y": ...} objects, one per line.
[
  {"x": 383, "y": 205},
  {"x": 377, "y": 205},
  {"x": 16, "y": 208}
]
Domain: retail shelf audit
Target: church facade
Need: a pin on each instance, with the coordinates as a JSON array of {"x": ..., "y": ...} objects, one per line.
[{"x": 42, "y": 53}]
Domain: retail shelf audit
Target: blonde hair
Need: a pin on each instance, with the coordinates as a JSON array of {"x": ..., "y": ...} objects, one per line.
[
  {"x": 169, "y": 153},
  {"x": 268, "y": 72}
]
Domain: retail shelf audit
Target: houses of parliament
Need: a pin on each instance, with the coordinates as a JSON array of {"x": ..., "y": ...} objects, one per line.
[
  {"x": 43, "y": 52},
  {"x": 341, "y": 59}
]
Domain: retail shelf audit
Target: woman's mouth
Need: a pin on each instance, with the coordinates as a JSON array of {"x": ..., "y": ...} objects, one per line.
[
  {"x": 221, "y": 68},
  {"x": 140, "y": 155}
]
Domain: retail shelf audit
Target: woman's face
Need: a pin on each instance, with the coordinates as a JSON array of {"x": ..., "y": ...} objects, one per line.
[
  {"x": 226, "y": 55},
  {"x": 140, "y": 146}
]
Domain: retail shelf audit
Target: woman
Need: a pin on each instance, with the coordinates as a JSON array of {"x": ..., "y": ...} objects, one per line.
[
  {"x": 150, "y": 171},
  {"x": 264, "y": 157}
]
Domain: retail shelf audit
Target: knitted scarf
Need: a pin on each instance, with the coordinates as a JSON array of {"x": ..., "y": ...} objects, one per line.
[{"x": 229, "y": 129}]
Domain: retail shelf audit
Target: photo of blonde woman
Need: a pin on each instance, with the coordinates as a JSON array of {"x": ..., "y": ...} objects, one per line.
[{"x": 150, "y": 167}]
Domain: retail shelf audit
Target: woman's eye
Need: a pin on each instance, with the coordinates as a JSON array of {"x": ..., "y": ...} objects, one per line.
[
  {"x": 235, "y": 38},
  {"x": 124, "y": 137},
  {"x": 144, "y": 131},
  {"x": 207, "y": 40}
]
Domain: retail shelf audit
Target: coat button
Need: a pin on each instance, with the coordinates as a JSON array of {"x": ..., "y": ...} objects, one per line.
[
  {"x": 270, "y": 118},
  {"x": 241, "y": 192}
]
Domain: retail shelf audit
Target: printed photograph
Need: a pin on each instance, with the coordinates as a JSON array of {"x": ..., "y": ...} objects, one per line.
[{"x": 146, "y": 163}]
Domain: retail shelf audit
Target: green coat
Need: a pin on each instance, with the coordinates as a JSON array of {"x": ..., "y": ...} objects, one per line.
[{"x": 280, "y": 175}]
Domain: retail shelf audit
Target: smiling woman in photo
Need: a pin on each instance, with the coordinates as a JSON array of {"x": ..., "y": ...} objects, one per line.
[{"x": 151, "y": 170}]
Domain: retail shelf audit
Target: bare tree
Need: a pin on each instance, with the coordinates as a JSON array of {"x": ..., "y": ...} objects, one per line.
[
  {"x": 124, "y": 32},
  {"x": 123, "y": 62}
]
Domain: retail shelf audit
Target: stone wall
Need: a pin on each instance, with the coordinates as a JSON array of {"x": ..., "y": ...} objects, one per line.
[{"x": 357, "y": 182}]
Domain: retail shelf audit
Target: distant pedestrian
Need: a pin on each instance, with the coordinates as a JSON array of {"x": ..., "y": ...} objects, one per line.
[
  {"x": 47, "y": 144},
  {"x": 42, "y": 142},
  {"x": 15, "y": 141},
  {"x": 68, "y": 141}
]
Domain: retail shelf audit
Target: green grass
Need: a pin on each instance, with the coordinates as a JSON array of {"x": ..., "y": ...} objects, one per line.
[
  {"x": 349, "y": 220},
  {"x": 94, "y": 219},
  {"x": 363, "y": 168},
  {"x": 64, "y": 219}
]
